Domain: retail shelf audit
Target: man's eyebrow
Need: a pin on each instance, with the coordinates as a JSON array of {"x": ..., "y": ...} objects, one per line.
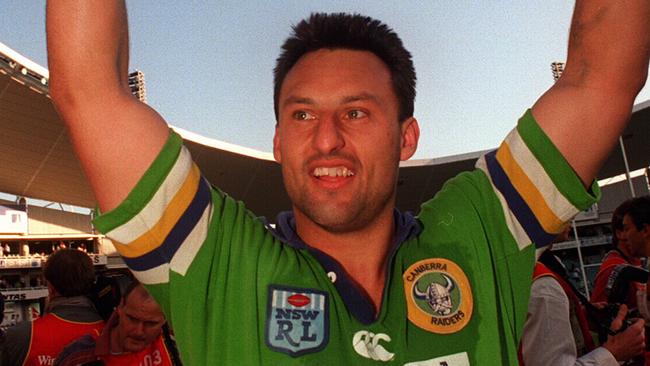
[
  {"x": 365, "y": 96},
  {"x": 347, "y": 99},
  {"x": 360, "y": 97},
  {"x": 298, "y": 100}
]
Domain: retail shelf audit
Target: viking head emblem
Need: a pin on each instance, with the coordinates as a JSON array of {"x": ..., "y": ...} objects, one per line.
[{"x": 437, "y": 296}]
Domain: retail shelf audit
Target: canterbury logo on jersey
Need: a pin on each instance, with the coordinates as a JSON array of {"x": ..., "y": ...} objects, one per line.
[{"x": 367, "y": 345}]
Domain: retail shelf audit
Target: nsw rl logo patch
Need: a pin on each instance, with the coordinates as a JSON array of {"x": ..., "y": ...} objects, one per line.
[
  {"x": 438, "y": 295},
  {"x": 297, "y": 320}
]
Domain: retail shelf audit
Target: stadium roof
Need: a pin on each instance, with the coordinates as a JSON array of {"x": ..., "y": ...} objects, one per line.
[{"x": 37, "y": 161}]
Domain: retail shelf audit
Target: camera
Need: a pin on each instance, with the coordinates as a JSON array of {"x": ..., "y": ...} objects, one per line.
[{"x": 605, "y": 316}]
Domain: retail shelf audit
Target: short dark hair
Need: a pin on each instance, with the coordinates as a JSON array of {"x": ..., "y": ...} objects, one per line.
[
  {"x": 639, "y": 211},
  {"x": 132, "y": 285},
  {"x": 131, "y": 288},
  {"x": 355, "y": 32},
  {"x": 70, "y": 272}
]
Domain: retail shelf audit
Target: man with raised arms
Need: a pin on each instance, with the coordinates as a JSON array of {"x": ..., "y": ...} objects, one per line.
[{"x": 332, "y": 283}]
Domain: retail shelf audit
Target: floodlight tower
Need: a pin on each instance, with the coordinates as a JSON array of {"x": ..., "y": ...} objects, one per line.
[
  {"x": 557, "y": 68},
  {"x": 136, "y": 84}
]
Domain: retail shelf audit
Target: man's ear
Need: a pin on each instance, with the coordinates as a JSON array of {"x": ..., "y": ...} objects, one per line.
[
  {"x": 410, "y": 135},
  {"x": 276, "y": 145}
]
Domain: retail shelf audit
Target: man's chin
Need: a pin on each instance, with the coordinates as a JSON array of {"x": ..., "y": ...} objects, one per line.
[
  {"x": 341, "y": 223},
  {"x": 133, "y": 346}
]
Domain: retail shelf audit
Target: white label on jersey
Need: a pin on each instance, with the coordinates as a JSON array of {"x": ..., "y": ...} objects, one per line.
[{"x": 458, "y": 359}]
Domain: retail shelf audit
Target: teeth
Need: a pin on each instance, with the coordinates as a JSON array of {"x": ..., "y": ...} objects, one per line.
[{"x": 340, "y": 171}]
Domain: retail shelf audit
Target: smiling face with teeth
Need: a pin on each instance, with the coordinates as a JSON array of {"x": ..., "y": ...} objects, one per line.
[{"x": 339, "y": 140}]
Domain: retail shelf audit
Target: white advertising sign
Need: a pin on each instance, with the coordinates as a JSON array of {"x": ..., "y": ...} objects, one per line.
[{"x": 13, "y": 219}]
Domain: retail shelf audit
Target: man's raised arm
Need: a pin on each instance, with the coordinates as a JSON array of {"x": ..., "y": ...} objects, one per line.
[
  {"x": 115, "y": 136},
  {"x": 607, "y": 65}
]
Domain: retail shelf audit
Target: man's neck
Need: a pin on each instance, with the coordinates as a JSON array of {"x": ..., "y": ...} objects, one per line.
[
  {"x": 362, "y": 253},
  {"x": 627, "y": 254}
]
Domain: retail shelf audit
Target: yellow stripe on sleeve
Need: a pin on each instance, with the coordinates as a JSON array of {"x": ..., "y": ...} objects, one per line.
[
  {"x": 528, "y": 191},
  {"x": 153, "y": 238}
]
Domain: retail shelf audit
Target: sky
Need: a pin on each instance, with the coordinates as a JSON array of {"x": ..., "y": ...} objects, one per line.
[{"x": 208, "y": 65}]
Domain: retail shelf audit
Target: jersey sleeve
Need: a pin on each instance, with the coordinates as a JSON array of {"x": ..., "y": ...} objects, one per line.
[
  {"x": 195, "y": 249},
  {"x": 491, "y": 219},
  {"x": 537, "y": 188},
  {"x": 164, "y": 219}
]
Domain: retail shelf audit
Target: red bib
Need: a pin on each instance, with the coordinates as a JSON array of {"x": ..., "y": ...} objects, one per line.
[{"x": 50, "y": 334}]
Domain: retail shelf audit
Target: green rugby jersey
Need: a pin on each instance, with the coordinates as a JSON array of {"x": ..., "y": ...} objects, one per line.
[{"x": 239, "y": 293}]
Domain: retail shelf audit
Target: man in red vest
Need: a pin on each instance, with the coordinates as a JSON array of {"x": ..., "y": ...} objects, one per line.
[
  {"x": 69, "y": 313},
  {"x": 132, "y": 336},
  {"x": 631, "y": 238}
]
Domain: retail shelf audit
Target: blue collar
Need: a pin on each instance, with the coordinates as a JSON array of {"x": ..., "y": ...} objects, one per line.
[{"x": 356, "y": 300}]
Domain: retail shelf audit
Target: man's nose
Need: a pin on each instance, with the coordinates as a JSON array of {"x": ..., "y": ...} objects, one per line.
[
  {"x": 138, "y": 328},
  {"x": 328, "y": 136}
]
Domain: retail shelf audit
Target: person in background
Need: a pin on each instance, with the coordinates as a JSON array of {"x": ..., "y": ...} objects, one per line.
[
  {"x": 69, "y": 313},
  {"x": 621, "y": 279},
  {"x": 622, "y": 265},
  {"x": 134, "y": 335},
  {"x": 557, "y": 329}
]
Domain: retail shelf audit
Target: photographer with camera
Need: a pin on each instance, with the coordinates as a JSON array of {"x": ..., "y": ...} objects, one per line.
[
  {"x": 620, "y": 278},
  {"x": 558, "y": 328}
]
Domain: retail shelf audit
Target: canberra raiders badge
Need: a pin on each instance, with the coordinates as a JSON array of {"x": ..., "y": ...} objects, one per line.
[
  {"x": 297, "y": 320},
  {"x": 438, "y": 296}
]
